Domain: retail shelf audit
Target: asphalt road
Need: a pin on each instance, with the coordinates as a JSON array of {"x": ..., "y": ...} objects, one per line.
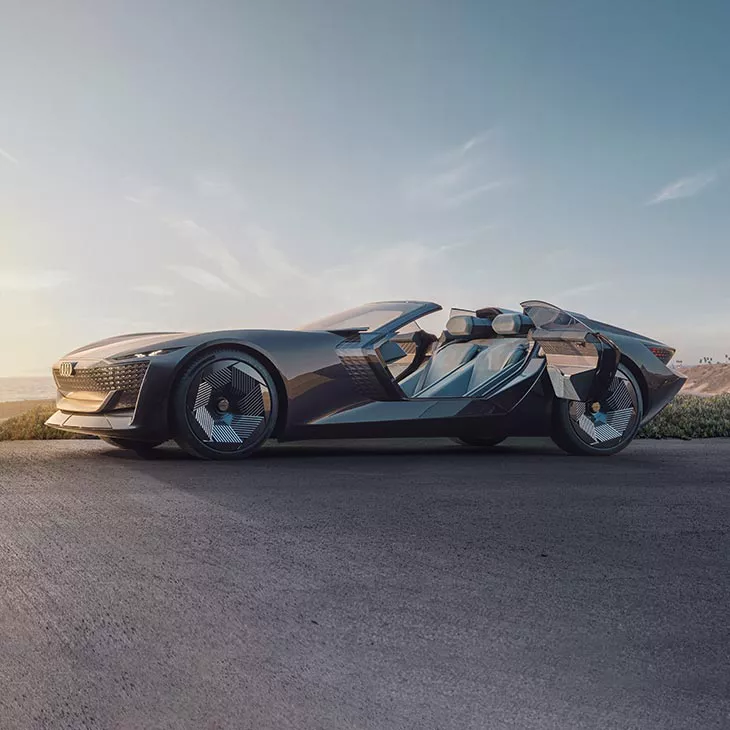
[{"x": 414, "y": 585}]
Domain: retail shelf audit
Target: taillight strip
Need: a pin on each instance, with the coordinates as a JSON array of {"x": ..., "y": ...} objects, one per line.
[{"x": 665, "y": 354}]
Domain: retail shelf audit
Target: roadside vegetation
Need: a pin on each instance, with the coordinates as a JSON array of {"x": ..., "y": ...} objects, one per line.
[
  {"x": 692, "y": 417},
  {"x": 31, "y": 425},
  {"x": 687, "y": 417}
]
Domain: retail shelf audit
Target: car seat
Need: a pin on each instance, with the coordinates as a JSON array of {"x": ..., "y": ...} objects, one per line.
[
  {"x": 488, "y": 359},
  {"x": 460, "y": 344}
]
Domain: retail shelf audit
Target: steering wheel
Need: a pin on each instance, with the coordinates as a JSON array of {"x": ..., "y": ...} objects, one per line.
[{"x": 423, "y": 341}]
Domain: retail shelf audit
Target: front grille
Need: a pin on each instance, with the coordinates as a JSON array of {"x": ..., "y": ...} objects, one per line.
[{"x": 105, "y": 379}]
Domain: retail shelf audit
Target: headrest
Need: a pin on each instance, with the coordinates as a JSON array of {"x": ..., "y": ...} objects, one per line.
[
  {"x": 512, "y": 324},
  {"x": 466, "y": 327},
  {"x": 488, "y": 312},
  {"x": 459, "y": 325}
]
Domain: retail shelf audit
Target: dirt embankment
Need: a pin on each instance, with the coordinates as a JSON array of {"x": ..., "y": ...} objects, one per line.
[{"x": 707, "y": 379}]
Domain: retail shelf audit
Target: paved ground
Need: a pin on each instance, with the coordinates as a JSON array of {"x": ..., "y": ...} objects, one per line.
[{"x": 415, "y": 585}]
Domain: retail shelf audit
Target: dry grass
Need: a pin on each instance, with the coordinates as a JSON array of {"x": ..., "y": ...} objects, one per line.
[{"x": 31, "y": 425}]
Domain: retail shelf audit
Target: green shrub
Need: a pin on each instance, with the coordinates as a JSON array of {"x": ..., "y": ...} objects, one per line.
[
  {"x": 31, "y": 425},
  {"x": 691, "y": 417}
]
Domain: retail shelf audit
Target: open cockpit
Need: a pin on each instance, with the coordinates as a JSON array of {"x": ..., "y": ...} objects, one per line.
[{"x": 472, "y": 354}]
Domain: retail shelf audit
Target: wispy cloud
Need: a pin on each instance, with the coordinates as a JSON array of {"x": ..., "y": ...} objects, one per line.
[
  {"x": 155, "y": 290},
  {"x": 202, "y": 278},
  {"x": 686, "y": 187},
  {"x": 245, "y": 278},
  {"x": 467, "y": 195},
  {"x": 144, "y": 194},
  {"x": 217, "y": 187},
  {"x": 188, "y": 228},
  {"x": 212, "y": 248},
  {"x": 248, "y": 260},
  {"x": 258, "y": 266},
  {"x": 583, "y": 290},
  {"x": 459, "y": 152},
  {"x": 271, "y": 257},
  {"x": 30, "y": 280},
  {"x": 252, "y": 264},
  {"x": 7, "y": 156},
  {"x": 458, "y": 176}
]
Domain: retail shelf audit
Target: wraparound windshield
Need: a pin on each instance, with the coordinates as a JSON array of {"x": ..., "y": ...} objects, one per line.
[
  {"x": 367, "y": 317},
  {"x": 549, "y": 317}
]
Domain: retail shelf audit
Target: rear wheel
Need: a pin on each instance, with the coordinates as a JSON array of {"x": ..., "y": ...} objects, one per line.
[
  {"x": 479, "y": 442},
  {"x": 600, "y": 428},
  {"x": 224, "y": 406}
]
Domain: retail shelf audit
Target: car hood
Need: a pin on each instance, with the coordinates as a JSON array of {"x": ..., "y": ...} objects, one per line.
[
  {"x": 123, "y": 345},
  {"x": 129, "y": 345}
]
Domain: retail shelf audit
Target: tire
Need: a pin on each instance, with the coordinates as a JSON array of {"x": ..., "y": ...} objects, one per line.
[
  {"x": 223, "y": 406},
  {"x": 479, "y": 442},
  {"x": 141, "y": 447},
  {"x": 579, "y": 429}
]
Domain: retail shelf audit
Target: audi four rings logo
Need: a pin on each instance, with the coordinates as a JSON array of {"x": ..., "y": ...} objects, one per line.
[{"x": 66, "y": 369}]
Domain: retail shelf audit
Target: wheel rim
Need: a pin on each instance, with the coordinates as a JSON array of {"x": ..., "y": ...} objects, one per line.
[
  {"x": 606, "y": 423},
  {"x": 228, "y": 405}
]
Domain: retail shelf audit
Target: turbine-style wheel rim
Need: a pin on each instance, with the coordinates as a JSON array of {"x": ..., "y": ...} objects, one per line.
[
  {"x": 228, "y": 405},
  {"x": 603, "y": 424}
]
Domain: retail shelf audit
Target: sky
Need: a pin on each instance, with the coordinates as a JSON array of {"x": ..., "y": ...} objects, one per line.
[{"x": 180, "y": 165}]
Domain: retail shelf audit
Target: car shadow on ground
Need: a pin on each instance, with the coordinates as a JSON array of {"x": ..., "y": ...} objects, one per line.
[
  {"x": 390, "y": 448},
  {"x": 438, "y": 454},
  {"x": 319, "y": 470}
]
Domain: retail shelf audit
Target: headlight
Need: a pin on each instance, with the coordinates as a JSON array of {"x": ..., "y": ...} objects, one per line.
[{"x": 148, "y": 353}]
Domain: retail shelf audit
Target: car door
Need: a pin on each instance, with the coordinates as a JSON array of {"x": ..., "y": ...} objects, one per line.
[
  {"x": 581, "y": 363},
  {"x": 367, "y": 355}
]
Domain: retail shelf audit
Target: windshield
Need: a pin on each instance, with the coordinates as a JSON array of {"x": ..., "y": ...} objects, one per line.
[
  {"x": 549, "y": 317},
  {"x": 365, "y": 318},
  {"x": 458, "y": 311}
]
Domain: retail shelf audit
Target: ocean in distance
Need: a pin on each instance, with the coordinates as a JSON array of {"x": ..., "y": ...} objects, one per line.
[{"x": 17, "y": 389}]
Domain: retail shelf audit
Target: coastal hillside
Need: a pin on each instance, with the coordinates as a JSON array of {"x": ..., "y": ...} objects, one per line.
[{"x": 706, "y": 379}]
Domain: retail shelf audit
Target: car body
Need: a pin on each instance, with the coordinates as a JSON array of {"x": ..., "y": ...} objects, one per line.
[{"x": 372, "y": 372}]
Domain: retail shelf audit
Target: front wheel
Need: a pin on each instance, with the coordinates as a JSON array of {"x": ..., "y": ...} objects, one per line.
[
  {"x": 224, "y": 405},
  {"x": 600, "y": 428}
]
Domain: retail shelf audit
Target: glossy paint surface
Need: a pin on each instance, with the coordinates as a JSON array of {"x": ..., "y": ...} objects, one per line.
[{"x": 337, "y": 385}]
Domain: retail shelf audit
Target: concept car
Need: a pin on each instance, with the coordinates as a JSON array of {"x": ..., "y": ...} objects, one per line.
[{"x": 372, "y": 372}]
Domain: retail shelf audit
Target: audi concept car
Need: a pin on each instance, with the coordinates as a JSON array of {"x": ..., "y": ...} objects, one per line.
[{"x": 372, "y": 372}]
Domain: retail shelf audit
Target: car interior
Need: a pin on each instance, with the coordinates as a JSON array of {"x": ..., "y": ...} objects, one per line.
[{"x": 473, "y": 353}]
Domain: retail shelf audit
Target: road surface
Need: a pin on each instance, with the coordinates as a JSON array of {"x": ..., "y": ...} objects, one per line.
[{"x": 404, "y": 585}]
